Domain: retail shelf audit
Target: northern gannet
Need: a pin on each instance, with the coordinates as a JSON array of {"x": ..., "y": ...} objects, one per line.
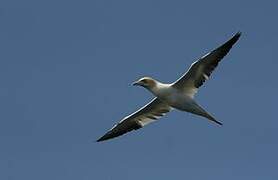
[{"x": 178, "y": 95}]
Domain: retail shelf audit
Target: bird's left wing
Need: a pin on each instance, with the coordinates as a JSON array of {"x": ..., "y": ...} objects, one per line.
[
  {"x": 201, "y": 70},
  {"x": 147, "y": 114}
]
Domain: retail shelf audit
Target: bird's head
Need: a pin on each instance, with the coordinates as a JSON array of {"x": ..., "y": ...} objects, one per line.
[{"x": 146, "y": 82}]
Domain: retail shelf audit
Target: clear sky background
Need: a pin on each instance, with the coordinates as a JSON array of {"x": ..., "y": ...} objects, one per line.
[{"x": 65, "y": 74}]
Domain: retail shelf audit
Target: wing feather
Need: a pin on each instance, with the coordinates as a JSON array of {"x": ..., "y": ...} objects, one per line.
[
  {"x": 201, "y": 69},
  {"x": 147, "y": 114}
]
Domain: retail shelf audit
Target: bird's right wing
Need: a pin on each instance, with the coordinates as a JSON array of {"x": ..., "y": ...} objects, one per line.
[{"x": 147, "y": 114}]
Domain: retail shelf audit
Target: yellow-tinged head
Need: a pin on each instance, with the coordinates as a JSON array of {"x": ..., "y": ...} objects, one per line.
[{"x": 145, "y": 82}]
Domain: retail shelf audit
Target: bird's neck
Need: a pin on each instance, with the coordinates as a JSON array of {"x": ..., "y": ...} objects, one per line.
[{"x": 159, "y": 89}]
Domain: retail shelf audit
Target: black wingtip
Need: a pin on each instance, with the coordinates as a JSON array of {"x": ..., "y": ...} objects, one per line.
[
  {"x": 219, "y": 123},
  {"x": 103, "y": 138},
  {"x": 238, "y": 33},
  {"x": 228, "y": 45},
  {"x": 100, "y": 140},
  {"x": 235, "y": 37}
]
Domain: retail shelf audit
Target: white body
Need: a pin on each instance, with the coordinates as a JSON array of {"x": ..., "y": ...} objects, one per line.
[
  {"x": 178, "y": 99},
  {"x": 178, "y": 95}
]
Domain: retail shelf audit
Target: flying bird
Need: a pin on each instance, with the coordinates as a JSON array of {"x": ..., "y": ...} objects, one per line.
[{"x": 177, "y": 95}]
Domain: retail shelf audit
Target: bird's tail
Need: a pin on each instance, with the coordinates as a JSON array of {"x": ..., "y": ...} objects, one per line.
[
  {"x": 200, "y": 111},
  {"x": 210, "y": 117}
]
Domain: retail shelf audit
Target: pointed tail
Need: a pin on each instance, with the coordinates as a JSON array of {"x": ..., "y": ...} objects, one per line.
[
  {"x": 210, "y": 117},
  {"x": 202, "y": 112}
]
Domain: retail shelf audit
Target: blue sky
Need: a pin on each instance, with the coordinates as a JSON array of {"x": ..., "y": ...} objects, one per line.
[{"x": 66, "y": 69}]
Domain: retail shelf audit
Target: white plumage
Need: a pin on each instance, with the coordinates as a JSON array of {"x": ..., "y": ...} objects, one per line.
[{"x": 178, "y": 95}]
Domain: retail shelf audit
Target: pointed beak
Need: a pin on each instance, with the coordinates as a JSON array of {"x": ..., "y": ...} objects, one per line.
[{"x": 136, "y": 83}]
